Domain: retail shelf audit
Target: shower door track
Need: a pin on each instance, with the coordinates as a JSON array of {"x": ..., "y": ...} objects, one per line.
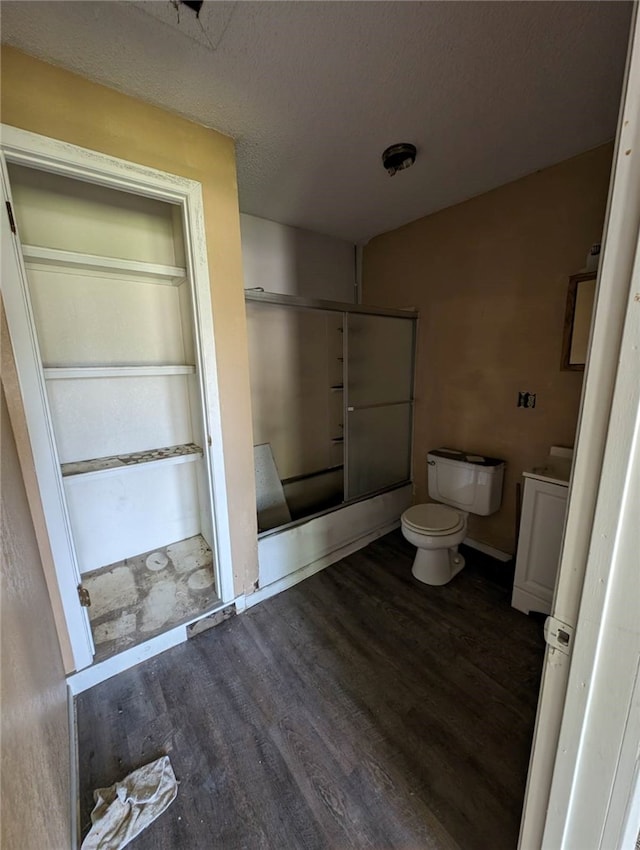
[{"x": 320, "y": 304}]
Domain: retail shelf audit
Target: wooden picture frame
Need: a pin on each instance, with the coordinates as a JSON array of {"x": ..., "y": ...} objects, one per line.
[{"x": 577, "y": 321}]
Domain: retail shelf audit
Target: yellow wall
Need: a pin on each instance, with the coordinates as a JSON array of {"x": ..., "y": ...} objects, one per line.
[
  {"x": 490, "y": 277},
  {"x": 53, "y": 102}
]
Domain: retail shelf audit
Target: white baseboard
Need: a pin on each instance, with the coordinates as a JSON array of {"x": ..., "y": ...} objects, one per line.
[
  {"x": 299, "y": 575},
  {"x": 527, "y": 602},
  {"x": 241, "y": 603},
  {"x": 90, "y": 676},
  {"x": 498, "y": 554}
]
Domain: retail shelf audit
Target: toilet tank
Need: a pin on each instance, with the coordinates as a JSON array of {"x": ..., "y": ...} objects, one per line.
[{"x": 472, "y": 483}]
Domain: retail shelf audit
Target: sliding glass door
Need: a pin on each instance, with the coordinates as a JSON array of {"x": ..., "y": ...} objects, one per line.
[
  {"x": 379, "y": 402},
  {"x": 332, "y": 397}
]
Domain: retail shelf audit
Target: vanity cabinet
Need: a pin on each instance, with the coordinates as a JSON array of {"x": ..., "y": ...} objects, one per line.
[{"x": 543, "y": 513}]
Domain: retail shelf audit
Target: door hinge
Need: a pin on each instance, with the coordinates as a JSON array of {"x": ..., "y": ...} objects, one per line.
[
  {"x": 559, "y": 635},
  {"x": 83, "y": 596},
  {"x": 12, "y": 223}
]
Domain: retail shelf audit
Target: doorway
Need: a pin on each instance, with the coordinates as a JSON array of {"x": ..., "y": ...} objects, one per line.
[{"x": 106, "y": 291}]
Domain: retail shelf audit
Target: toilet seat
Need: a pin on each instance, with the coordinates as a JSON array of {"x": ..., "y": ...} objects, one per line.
[{"x": 433, "y": 519}]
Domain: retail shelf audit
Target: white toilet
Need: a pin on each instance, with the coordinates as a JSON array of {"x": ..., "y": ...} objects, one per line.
[{"x": 469, "y": 484}]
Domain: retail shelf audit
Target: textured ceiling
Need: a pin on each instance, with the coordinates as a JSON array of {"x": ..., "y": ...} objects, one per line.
[{"x": 314, "y": 91}]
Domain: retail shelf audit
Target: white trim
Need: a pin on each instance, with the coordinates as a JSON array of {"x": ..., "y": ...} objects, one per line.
[
  {"x": 56, "y": 258},
  {"x": 294, "y": 578},
  {"x": 526, "y": 602},
  {"x": 241, "y": 603},
  {"x": 198, "y": 269},
  {"x": 45, "y": 154},
  {"x": 103, "y": 670},
  {"x": 631, "y": 818},
  {"x": 41, "y": 436},
  {"x": 498, "y": 554},
  {"x": 66, "y": 373},
  {"x": 597, "y": 759},
  {"x": 39, "y": 152}
]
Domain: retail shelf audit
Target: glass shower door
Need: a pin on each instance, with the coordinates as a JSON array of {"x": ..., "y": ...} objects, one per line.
[{"x": 378, "y": 403}]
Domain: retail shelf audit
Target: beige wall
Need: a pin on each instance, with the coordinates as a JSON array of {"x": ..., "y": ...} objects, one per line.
[
  {"x": 48, "y": 100},
  {"x": 35, "y": 793},
  {"x": 490, "y": 277}
]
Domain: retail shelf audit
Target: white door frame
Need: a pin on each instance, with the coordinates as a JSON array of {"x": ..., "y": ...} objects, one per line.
[
  {"x": 585, "y": 597},
  {"x": 40, "y": 152},
  {"x": 596, "y": 768}
]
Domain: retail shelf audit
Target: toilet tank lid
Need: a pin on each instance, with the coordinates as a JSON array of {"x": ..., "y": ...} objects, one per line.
[{"x": 466, "y": 457}]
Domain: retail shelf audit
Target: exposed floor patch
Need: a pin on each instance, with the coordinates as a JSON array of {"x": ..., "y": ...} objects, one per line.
[
  {"x": 111, "y": 591},
  {"x": 142, "y": 596}
]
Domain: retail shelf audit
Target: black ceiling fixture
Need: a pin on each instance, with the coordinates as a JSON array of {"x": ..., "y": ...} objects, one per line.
[
  {"x": 194, "y": 5},
  {"x": 400, "y": 156}
]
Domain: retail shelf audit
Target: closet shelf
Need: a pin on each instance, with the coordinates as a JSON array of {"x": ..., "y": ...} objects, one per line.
[
  {"x": 63, "y": 373},
  {"x": 70, "y": 260},
  {"x": 117, "y": 463}
]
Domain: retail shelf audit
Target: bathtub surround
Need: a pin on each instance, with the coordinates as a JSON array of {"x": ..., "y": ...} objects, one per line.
[{"x": 489, "y": 278}]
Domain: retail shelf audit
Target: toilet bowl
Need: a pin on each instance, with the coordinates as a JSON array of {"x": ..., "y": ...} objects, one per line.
[
  {"x": 460, "y": 484},
  {"x": 436, "y": 531}
]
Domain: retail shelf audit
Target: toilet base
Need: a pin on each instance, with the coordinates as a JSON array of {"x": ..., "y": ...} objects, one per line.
[{"x": 437, "y": 566}]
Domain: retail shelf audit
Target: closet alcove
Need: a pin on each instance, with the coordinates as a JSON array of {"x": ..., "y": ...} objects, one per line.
[{"x": 112, "y": 311}]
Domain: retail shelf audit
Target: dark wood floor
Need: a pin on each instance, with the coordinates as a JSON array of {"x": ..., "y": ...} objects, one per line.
[{"x": 358, "y": 709}]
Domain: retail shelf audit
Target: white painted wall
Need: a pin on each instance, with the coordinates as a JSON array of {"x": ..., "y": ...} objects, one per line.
[
  {"x": 72, "y": 215},
  {"x": 292, "y": 261}
]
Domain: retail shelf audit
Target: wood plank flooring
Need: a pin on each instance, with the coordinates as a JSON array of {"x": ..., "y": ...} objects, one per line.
[{"x": 359, "y": 709}]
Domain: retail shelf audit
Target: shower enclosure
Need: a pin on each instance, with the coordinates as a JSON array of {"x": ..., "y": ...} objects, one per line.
[{"x": 332, "y": 397}]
